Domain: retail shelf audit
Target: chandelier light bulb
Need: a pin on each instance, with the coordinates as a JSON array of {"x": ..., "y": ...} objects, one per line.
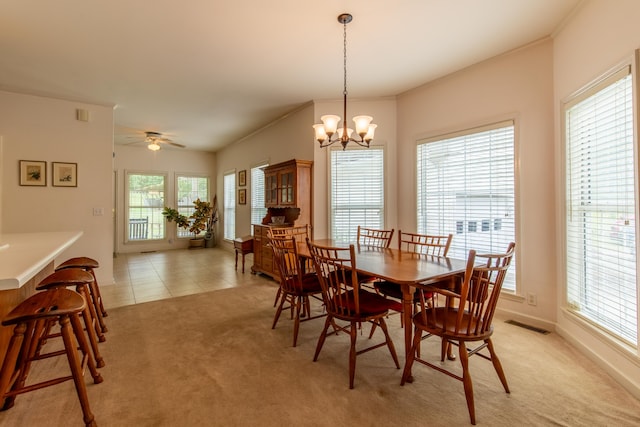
[
  {"x": 362, "y": 124},
  {"x": 330, "y": 122}
]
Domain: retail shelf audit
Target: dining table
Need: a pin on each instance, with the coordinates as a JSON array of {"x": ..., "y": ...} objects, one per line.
[{"x": 408, "y": 269}]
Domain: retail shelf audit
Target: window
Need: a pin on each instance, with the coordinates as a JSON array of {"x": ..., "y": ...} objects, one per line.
[
  {"x": 258, "y": 211},
  {"x": 188, "y": 189},
  {"x": 601, "y": 206},
  {"x": 230, "y": 205},
  {"x": 145, "y": 201},
  {"x": 465, "y": 183},
  {"x": 357, "y": 191}
]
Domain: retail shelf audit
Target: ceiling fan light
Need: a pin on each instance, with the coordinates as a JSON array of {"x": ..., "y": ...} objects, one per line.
[
  {"x": 153, "y": 146},
  {"x": 330, "y": 122}
]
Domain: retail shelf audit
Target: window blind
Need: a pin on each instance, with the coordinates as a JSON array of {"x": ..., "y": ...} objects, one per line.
[
  {"x": 188, "y": 190},
  {"x": 229, "y": 184},
  {"x": 258, "y": 211},
  {"x": 465, "y": 186},
  {"x": 600, "y": 214},
  {"x": 357, "y": 191}
]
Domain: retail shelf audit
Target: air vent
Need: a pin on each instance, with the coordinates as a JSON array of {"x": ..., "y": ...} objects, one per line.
[{"x": 529, "y": 327}]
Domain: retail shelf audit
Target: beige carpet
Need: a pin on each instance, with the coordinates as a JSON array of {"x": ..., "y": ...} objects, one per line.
[{"x": 212, "y": 360}]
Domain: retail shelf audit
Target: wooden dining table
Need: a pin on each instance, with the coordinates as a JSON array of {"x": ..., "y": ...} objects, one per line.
[{"x": 408, "y": 269}]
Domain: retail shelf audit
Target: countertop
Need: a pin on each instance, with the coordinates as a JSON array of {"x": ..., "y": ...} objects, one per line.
[{"x": 23, "y": 255}]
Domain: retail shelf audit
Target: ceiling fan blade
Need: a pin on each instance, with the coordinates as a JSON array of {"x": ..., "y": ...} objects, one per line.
[{"x": 175, "y": 144}]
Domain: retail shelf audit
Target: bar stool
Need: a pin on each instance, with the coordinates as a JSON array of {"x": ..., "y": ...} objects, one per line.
[
  {"x": 89, "y": 264},
  {"x": 30, "y": 319},
  {"x": 82, "y": 281}
]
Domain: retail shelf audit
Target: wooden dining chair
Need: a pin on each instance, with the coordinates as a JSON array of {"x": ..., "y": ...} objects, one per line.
[
  {"x": 424, "y": 244},
  {"x": 374, "y": 238},
  {"x": 295, "y": 286},
  {"x": 346, "y": 301},
  {"x": 462, "y": 318},
  {"x": 300, "y": 232}
]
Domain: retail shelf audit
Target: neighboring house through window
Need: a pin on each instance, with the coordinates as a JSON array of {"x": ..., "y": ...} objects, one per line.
[{"x": 465, "y": 184}]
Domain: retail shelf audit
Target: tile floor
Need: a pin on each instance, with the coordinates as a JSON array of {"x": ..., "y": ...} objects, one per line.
[{"x": 142, "y": 277}]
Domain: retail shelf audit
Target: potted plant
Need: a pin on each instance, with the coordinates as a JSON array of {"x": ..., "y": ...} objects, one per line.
[
  {"x": 196, "y": 223},
  {"x": 210, "y": 235}
]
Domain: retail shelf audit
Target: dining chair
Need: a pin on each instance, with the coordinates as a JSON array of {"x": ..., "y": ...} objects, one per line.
[
  {"x": 462, "y": 318},
  {"x": 374, "y": 238},
  {"x": 346, "y": 301},
  {"x": 295, "y": 286},
  {"x": 424, "y": 244},
  {"x": 300, "y": 232}
]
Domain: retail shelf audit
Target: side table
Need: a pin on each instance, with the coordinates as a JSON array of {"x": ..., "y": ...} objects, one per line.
[{"x": 244, "y": 245}]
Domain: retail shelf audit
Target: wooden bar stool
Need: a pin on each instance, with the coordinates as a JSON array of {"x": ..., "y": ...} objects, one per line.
[
  {"x": 30, "y": 319},
  {"x": 89, "y": 264},
  {"x": 82, "y": 281}
]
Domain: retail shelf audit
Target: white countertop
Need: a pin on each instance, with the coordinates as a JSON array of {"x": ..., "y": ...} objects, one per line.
[{"x": 23, "y": 255}]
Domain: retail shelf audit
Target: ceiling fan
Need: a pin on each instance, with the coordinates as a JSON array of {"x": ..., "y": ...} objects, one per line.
[{"x": 154, "y": 139}]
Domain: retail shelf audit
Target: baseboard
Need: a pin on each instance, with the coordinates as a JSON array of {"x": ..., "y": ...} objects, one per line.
[{"x": 526, "y": 319}]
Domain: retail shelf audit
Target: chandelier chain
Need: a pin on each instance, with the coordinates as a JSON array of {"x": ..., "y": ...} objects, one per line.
[{"x": 345, "y": 58}]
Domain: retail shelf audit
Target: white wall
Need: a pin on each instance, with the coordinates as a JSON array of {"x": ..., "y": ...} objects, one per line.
[
  {"x": 599, "y": 37},
  {"x": 288, "y": 138},
  {"x": 170, "y": 161},
  {"x": 46, "y": 129},
  {"x": 517, "y": 85}
]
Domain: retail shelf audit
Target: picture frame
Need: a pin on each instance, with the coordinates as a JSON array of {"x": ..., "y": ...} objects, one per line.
[
  {"x": 242, "y": 178},
  {"x": 242, "y": 196},
  {"x": 33, "y": 173},
  {"x": 64, "y": 174}
]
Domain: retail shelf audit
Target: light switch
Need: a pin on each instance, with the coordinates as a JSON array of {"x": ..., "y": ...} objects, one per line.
[{"x": 98, "y": 211}]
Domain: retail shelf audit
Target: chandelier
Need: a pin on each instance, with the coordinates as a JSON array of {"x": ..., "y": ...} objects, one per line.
[{"x": 328, "y": 133}]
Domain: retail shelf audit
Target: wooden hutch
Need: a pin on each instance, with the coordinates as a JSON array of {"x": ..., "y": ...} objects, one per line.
[{"x": 288, "y": 190}]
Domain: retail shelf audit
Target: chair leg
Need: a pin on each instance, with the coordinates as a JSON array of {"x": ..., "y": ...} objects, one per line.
[
  {"x": 497, "y": 365},
  {"x": 84, "y": 347},
  {"x": 95, "y": 299},
  {"x": 466, "y": 380},
  {"x": 103, "y": 312},
  {"x": 278, "y": 294},
  {"x": 323, "y": 335},
  {"x": 296, "y": 320},
  {"x": 392, "y": 348},
  {"x": 76, "y": 370},
  {"x": 279, "y": 311},
  {"x": 89, "y": 326},
  {"x": 353, "y": 332}
]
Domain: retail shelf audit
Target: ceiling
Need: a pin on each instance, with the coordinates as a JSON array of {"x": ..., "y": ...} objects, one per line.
[{"x": 209, "y": 72}]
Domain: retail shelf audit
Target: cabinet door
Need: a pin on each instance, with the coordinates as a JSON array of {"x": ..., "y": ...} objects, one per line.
[
  {"x": 271, "y": 189},
  {"x": 287, "y": 187}
]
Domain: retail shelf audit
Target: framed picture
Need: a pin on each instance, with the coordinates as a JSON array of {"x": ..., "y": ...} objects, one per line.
[
  {"x": 65, "y": 174},
  {"x": 242, "y": 196},
  {"x": 33, "y": 173},
  {"x": 242, "y": 178}
]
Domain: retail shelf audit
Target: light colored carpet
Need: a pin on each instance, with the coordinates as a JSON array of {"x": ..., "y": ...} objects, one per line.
[{"x": 213, "y": 360}]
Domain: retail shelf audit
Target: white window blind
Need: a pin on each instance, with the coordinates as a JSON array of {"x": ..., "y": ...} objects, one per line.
[
  {"x": 600, "y": 216},
  {"x": 465, "y": 184},
  {"x": 229, "y": 183},
  {"x": 189, "y": 189},
  {"x": 258, "y": 211},
  {"x": 357, "y": 191}
]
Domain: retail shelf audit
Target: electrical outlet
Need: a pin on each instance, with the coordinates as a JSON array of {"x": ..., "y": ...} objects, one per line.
[{"x": 532, "y": 299}]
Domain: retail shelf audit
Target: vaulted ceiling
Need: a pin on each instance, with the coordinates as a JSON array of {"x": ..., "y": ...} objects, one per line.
[{"x": 208, "y": 72}]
